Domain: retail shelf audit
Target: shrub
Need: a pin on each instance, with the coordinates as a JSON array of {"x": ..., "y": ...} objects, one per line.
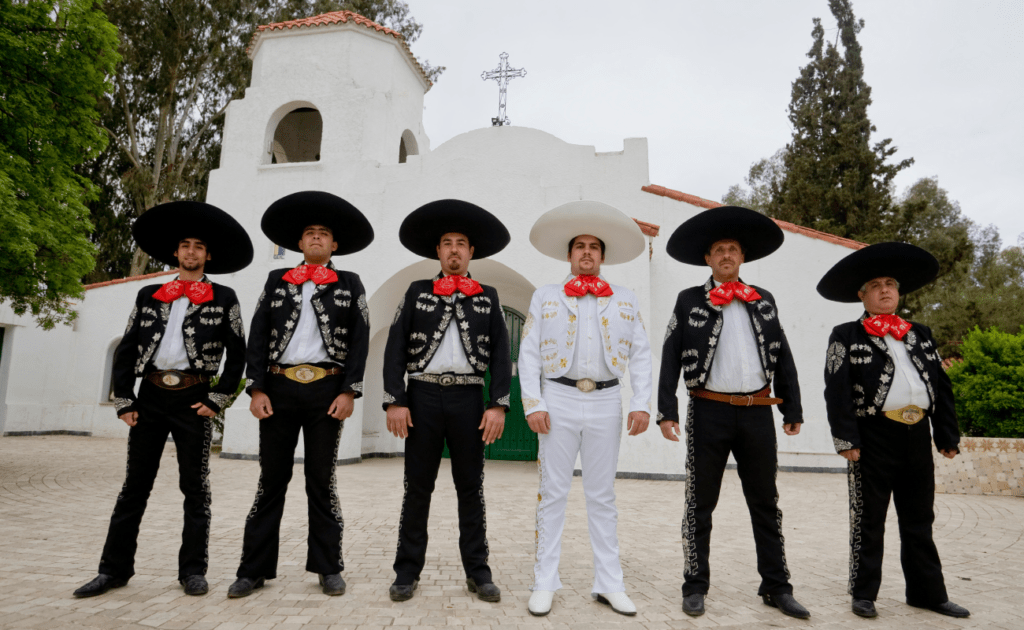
[{"x": 989, "y": 384}]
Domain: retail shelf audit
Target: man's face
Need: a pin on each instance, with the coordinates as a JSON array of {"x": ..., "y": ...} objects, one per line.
[
  {"x": 725, "y": 257},
  {"x": 585, "y": 255},
  {"x": 454, "y": 252},
  {"x": 317, "y": 242},
  {"x": 192, "y": 254},
  {"x": 880, "y": 296}
]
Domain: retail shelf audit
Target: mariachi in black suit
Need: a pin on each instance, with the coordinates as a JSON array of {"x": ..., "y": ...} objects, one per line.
[
  {"x": 441, "y": 412},
  {"x": 713, "y": 429},
  {"x": 209, "y": 330},
  {"x": 895, "y": 459},
  {"x": 344, "y": 326}
]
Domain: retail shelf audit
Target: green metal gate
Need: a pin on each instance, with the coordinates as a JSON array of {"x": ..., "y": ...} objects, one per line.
[{"x": 517, "y": 442}]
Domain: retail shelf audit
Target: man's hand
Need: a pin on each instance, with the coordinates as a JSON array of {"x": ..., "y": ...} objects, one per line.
[
  {"x": 341, "y": 408},
  {"x": 670, "y": 430},
  {"x": 399, "y": 421},
  {"x": 852, "y": 454},
  {"x": 637, "y": 422},
  {"x": 260, "y": 405},
  {"x": 131, "y": 418},
  {"x": 203, "y": 410},
  {"x": 791, "y": 428},
  {"x": 950, "y": 453},
  {"x": 493, "y": 424},
  {"x": 539, "y": 422}
]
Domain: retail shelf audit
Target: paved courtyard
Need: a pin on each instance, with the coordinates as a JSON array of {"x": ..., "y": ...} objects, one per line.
[{"x": 57, "y": 492}]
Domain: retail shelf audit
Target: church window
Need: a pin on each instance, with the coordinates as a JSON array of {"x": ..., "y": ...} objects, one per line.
[
  {"x": 407, "y": 146},
  {"x": 297, "y": 137}
]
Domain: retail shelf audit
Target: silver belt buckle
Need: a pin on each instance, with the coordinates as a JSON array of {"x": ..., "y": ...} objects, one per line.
[
  {"x": 446, "y": 380},
  {"x": 586, "y": 385},
  {"x": 170, "y": 379}
]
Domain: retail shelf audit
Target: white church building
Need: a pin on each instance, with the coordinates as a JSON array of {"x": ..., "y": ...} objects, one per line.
[{"x": 336, "y": 104}]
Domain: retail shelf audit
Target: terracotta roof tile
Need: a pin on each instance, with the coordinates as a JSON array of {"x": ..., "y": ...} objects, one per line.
[
  {"x": 649, "y": 229},
  {"x": 147, "y": 276},
  {"x": 333, "y": 18},
  {"x": 700, "y": 202}
]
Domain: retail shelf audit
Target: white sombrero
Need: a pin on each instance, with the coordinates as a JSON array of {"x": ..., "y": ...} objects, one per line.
[{"x": 555, "y": 228}]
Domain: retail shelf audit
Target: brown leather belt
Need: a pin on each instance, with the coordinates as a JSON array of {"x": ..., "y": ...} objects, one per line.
[
  {"x": 174, "y": 379},
  {"x": 303, "y": 373},
  {"x": 757, "y": 399}
]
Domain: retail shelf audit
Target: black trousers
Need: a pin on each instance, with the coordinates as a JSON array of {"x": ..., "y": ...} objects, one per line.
[
  {"x": 713, "y": 430},
  {"x": 440, "y": 414},
  {"x": 163, "y": 412},
  {"x": 296, "y": 406},
  {"x": 895, "y": 460}
]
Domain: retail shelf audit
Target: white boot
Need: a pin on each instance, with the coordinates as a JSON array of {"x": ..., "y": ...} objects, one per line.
[
  {"x": 619, "y": 602},
  {"x": 540, "y": 603}
]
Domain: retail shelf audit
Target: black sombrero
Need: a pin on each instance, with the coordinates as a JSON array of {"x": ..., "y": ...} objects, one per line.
[
  {"x": 910, "y": 265},
  {"x": 159, "y": 230},
  {"x": 422, "y": 230},
  {"x": 286, "y": 219},
  {"x": 758, "y": 234}
]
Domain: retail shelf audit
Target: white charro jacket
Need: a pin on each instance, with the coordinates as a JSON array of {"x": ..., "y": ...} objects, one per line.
[{"x": 547, "y": 347}]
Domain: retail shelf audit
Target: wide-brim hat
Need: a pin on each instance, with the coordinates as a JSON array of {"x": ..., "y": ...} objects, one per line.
[
  {"x": 422, "y": 230},
  {"x": 159, "y": 230},
  {"x": 622, "y": 237},
  {"x": 288, "y": 217},
  {"x": 909, "y": 265},
  {"x": 757, "y": 234}
]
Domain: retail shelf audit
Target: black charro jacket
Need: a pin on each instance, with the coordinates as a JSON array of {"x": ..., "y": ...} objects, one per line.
[
  {"x": 344, "y": 320},
  {"x": 858, "y": 375},
  {"x": 419, "y": 325},
  {"x": 692, "y": 338},
  {"x": 209, "y": 329}
]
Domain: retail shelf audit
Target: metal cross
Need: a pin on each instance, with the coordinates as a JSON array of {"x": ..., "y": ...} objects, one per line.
[{"x": 502, "y": 74}]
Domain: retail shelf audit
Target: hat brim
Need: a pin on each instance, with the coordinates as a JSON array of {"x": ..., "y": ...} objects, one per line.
[
  {"x": 622, "y": 237},
  {"x": 161, "y": 228},
  {"x": 757, "y": 234},
  {"x": 288, "y": 217},
  {"x": 422, "y": 230},
  {"x": 910, "y": 265}
]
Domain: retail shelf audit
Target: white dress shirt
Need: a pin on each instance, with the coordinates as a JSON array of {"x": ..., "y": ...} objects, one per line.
[
  {"x": 907, "y": 387},
  {"x": 588, "y": 357},
  {"x": 171, "y": 354},
  {"x": 306, "y": 344},
  {"x": 450, "y": 357},
  {"x": 736, "y": 367}
]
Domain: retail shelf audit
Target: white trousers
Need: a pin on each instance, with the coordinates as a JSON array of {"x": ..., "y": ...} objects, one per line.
[{"x": 589, "y": 425}]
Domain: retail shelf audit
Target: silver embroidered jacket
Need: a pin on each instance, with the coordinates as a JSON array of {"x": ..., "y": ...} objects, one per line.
[
  {"x": 342, "y": 317},
  {"x": 419, "y": 325},
  {"x": 209, "y": 330},
  {"x": 691, "y": 341},
  {"x": 858, "y": 375}
]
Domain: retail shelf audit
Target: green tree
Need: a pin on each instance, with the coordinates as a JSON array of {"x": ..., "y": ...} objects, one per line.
[
  {"x": 835, "y": 180},
  {"x": 56, "y": 56},
  {"x": 764, "y": 178},
  {"x": 989, "y": 384}
]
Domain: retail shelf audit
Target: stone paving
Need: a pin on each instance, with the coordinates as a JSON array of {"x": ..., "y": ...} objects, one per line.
[{"x": 57, "y": 492}]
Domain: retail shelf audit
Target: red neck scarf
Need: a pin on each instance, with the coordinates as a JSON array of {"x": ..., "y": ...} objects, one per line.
[
  {"x": 583, "y": 284},
  {"x": 725, "y": 292},
  {"x": 882, "y": 325},
  {"x": 197, "y": 292},
  {"x": 450, "y": 284},
  {"x": 317, "y": 273}
]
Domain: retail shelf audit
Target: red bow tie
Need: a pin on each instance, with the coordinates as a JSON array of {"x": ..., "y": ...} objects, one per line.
[
  {"x": 881, "y": 325},
  {"x": 583, "y": 284},
  {"x": 725, "y": 292},
  {"x": 196, "y": 292},
  {"x": 317, "y": 273},
  {"x": 450, "y": 284}
]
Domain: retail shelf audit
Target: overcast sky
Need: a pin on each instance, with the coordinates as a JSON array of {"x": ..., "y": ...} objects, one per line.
[{"x": 708, "y": 84}]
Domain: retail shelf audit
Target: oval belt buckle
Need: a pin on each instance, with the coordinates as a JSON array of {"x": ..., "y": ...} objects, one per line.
[
  {"x": 586, "y": 385},
  {"x": 304, "y": 374},
  {"x": 170, "y": 379},
  {"x": 446, "y": 380},
  {"x": 912, "y": 414}
]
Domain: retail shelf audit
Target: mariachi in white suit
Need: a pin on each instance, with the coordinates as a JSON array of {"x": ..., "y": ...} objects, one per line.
[{"x": 580, "y": 337}]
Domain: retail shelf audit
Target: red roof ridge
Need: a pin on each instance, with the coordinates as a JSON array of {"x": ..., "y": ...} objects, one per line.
[
  {"x": 700, "y": 202},
  {"x": 147, "y": 276},
  {"x": 332, "y": 18},
  {"x": 649, "y": 229}
]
